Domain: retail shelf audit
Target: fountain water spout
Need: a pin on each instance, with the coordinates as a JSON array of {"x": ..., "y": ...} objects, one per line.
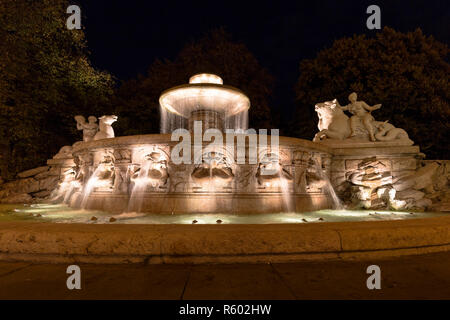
[{"x": 336, "y": 202}]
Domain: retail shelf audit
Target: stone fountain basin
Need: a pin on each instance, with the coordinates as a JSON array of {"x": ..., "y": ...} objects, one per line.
[
  {"x": 78, "y": 243},
  {"x": 185, "y": 99},
  {"x": 185, "y": 192}
]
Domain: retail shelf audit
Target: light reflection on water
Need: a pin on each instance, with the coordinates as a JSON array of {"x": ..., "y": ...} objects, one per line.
[{"x": 63, "y": 214}]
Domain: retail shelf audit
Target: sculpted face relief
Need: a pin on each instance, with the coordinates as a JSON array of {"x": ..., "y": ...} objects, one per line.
[{"x": 181, "y": 153}]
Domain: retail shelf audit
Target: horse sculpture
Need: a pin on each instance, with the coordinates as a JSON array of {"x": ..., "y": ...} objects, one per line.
[
  {"x": 335, "y": 124},
  {"x": 105, "y": 129}
]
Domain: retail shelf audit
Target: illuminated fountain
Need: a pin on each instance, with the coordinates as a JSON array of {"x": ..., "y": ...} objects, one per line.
[
  {"x": 248, "y": 173},
  {"x": 267, "y": 184}
]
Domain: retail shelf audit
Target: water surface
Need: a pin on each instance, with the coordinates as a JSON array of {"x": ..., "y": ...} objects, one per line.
[{"x": 59, "y": 213}]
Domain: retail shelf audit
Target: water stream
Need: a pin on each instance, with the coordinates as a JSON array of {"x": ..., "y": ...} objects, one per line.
[
  {"x": 140, "y": 184},
  {"x": 336, "y": 202},
  {"x": 89, "y": 187}
]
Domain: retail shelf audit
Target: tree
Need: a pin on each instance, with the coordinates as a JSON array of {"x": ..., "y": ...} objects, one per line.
[
  {"x": 137, "y": 99},
  {"x": 407, "y": 73},
  {"x": 45, "y": 79}
]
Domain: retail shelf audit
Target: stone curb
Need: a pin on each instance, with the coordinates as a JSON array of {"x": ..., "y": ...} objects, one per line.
[{"x": 44, "y": 242}]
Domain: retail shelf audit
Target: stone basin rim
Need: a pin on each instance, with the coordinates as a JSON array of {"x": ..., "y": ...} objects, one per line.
[
  {"x": 164, "y": 138},
  {"x": 230, "y": 93},
  {"x": 187, "y": 244}
]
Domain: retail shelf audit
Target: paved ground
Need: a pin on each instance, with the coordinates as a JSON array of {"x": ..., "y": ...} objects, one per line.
[{"x": 413, "y": 277}]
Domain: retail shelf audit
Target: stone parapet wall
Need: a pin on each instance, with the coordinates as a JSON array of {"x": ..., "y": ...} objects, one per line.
[
  {"x": 227, "y": 186},
  {"x": 396, "y": 159}
]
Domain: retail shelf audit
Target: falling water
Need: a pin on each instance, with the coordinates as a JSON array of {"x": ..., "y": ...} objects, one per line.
[
  {"x": 238, "y": 121},
  {"x": 139, "y": 187},
  {"x": 284, "y": 184},
  {"x": 171, "y": 121},
  {"x": 336, "y": 202},
  {"x": 89, "y": 187},
  {"x": 211, "y": 185},
  {"x": 64, "y": 192},
  {"x": 68, "y": 194},
  {"x": 58, "y": 193},
  {"x": 212, "y": 163}
]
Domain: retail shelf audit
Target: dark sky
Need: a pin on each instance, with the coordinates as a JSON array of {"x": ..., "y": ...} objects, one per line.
[{"x": 125, "y": 37}]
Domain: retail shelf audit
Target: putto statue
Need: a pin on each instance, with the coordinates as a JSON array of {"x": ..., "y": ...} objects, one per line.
[
  {"x": 335, "y": 124},
  {"x": 89, "y": 128}
]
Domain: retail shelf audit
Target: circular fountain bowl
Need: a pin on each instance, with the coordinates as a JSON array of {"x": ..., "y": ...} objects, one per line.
[
  {"x": 54, "y": 233},
  {"x": 205, "y": 92},
  {"x": 140, "y": 176}
]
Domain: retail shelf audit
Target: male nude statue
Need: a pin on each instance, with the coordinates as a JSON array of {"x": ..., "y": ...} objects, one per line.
[{"x": 361, "y": 111}]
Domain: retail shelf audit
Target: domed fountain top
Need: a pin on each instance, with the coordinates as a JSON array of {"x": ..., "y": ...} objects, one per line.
[
  {"x": 206, "y": 78},
  {"x": 205, "y": 92}
]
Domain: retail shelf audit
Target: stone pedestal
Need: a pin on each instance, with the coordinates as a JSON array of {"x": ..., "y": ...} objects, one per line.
[
  {"x": 369, "y": 170},
  {"x": 399, "y": 160}
]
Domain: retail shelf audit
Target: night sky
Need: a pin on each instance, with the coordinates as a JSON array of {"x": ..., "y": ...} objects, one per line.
[{"x": 125, "y": 37}]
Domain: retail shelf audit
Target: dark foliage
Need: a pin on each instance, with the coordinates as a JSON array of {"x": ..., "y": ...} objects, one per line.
[{"x": 45, "y": 79}]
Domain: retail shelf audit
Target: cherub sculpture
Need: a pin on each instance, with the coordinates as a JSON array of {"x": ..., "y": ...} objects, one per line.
[{"x": 89, "y": 128}]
